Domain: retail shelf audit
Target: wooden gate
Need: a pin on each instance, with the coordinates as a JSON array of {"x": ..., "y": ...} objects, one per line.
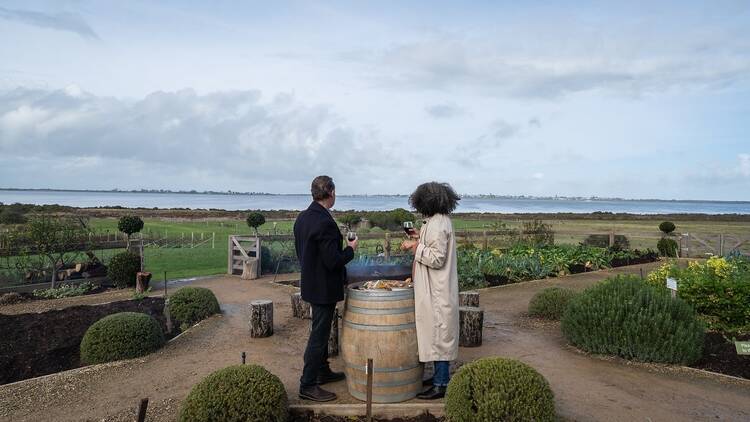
[
  {"x": 694, "y": 245},
  {"x": 240, "y": 249}
]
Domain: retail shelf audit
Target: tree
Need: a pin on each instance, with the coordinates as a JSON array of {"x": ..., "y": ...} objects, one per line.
[
  {"x": 130, "y": 224},
  {"x": 350, "y": 220},
  {"x": 255, "y": 220},
  {"x": 57, "y": 239},
  {"x": 667, "y": 227}
]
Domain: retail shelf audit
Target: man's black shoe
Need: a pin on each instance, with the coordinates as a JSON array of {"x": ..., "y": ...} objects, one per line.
[
  {"x": 330, "y": 377},
  {"x": 433, "y": 393},
  {"x": 316, "y": 393},
  {"x": 427, "y": 382}
]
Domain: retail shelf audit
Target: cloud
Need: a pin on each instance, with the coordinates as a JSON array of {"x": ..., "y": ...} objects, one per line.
[
  {"x": 59, "y": 21},
  {"x": 444, "y": 111},
  {"x": 744, "y": 165},
  {"x": 551, "y": 68},
  {"x": 218, "y": 140}
]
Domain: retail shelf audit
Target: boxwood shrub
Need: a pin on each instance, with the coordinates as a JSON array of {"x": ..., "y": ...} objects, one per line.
[
  {"x": 122, "y": 269},
  {"x": 124, "y": 335},
  {"x": 667, "y": 247},
  {"x": 550, "y": 303},
  {"x": 498, "y": 389},
  {"x": 624, "y": 316},
  {"x": 237, "y": 393},
  {"x": 190, "y": 305}
]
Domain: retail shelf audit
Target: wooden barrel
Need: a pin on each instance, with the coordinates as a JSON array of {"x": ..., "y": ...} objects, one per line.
[{"x": 379, "y": 325}]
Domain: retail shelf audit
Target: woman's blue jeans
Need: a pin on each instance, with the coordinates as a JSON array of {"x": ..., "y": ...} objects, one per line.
[{"x": 441, "y": 373}]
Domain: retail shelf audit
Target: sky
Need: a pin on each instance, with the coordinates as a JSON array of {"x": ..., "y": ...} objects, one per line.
[{"x": 613, "y": 99}]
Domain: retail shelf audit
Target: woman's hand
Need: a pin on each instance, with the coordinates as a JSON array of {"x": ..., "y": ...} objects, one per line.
[{"x": 409, "y": 245}]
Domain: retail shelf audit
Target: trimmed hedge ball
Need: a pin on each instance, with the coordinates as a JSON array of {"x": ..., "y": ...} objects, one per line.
[
  {"x": 237, "y": 393},
  {"x": 190, "y": 305},
  {"x": 550, "y": 303},
  {"x": 122, "y": 269},
  {"x": 498, "y": 389},
  {"x": 624, "y": 316},
  {"x": 124, "y": 335}
]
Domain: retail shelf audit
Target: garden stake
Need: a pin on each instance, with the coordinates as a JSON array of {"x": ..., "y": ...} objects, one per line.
[
  {"x": 369, "y": 390},
  {"x": 243, "y": 358},
  {"x": 142, "y": 410},
  {"x": 641, "y": 273},
  {"x": 165, "y": 284}
]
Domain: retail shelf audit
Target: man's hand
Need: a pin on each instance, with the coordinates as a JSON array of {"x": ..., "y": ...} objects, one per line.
[
  {"x": 353, "y": 243},
  {"x": 409, "y": 245}
]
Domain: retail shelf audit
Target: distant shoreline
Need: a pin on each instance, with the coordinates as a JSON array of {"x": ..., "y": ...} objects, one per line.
[{"x": 473, "y": 196}]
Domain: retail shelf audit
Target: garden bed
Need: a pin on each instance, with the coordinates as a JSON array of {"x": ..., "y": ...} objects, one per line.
[
  {"x": 720, "y": 355},
  {"x": 35, "y": 344}
]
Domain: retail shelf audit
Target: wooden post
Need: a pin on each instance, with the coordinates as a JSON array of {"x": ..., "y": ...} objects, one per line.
[
  {"x": 300, "y": 308},
  {"x": 470, "y": 298},
  {"x": 369, "y": 370},
  {"x": 485, "y": 240},
  {"x": 470, "y": 322},
  {"x": 142, "y": 410},
  {"x": 230, "y": 270},
  {"x": 687, "y": 246},
  {"x": 213, "y": 240},
  {"x": 192, "y": 239},
  {"x": 611, "y": 238},
  {"x": 721, "y": 244},
  {"x": 387, "y": 247},
  {"x": 261, "y": 318}
]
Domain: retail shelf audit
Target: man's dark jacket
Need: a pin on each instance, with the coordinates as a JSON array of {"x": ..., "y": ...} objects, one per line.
[{"x": 318, "y": 242}]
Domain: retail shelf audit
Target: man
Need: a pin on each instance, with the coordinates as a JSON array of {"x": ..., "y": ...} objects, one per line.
[{"x": 318, "y": 242}]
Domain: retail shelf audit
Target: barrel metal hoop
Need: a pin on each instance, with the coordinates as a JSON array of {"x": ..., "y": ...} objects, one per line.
[
  {"x": 386, "y": 295},
  {"x": 399, "y": 327},
  {"x": 382, "y": 311},
  {"x": 386, "y": 398},
  {"x": 399, "y": 369}
]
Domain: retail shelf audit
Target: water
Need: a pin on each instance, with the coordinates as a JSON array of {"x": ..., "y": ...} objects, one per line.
[{"x": 364, "y": 203}]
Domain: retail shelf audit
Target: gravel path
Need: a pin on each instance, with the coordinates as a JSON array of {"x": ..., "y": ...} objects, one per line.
[{"x": 586, "y": 388}]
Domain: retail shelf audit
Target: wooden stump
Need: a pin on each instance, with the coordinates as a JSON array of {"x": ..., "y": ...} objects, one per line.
[
  {"x": 300, "y": 308},
  {"x": 141, "y": 281},
  {"x": 249, "y": 269},
  {"x": 471, "y": 319},
  {"x": 261, "y": 318},
  {"x": 470, "y": 298},
  {"x": 333, "y": 338}
]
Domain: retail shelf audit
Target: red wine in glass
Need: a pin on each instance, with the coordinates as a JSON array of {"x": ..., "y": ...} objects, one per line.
[
  {"x": 350, "y": 236},
  {"x": 409, "y": 228}
]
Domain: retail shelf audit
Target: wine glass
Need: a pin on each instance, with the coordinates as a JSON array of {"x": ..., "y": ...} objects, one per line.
[
  {"x": 351, "y": 236},
  {"x": 409, "y": 228}
]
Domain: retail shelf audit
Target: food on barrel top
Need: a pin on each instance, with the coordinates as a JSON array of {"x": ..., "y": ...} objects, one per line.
[{"x": 387, "y": 284}]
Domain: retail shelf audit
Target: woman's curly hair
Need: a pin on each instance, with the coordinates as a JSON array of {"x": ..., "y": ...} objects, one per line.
[{"x": 434, "y": 198}]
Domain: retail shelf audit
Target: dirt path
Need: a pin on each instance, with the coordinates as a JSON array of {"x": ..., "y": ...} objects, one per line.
[{"x": 586, "y": 388}]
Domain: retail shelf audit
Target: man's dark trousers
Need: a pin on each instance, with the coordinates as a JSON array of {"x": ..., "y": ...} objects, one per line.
[{"x": 316, "y": 353}]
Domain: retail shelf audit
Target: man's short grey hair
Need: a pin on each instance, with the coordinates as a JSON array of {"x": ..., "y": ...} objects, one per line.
[{"x": 322, "y": 188}]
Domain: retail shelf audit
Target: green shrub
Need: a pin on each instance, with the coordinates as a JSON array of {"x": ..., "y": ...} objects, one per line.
[
  {"x": 8, "y": 216},
  {"x": 125, "y": 335},
  {"x": 624, "y": 316},
  {"x": 538, "y": 233},
  {"x": 190, "y": 305},
  {"x": 64, "y": 290},
  {"x": 667, "y": 247},
  {"x": 237, "y": 393},
  {"x": 667, "y": 227},
  {"x": 550, "y": 303},
  {"x": 390, "y": 220},
  {"x": 498, "y": 389},
  {"x": 122, "y": 269},
  {"x": 130, "y": 224},
  {"x": 350, "y": 219},
  {"x": 718, "y": 289}
]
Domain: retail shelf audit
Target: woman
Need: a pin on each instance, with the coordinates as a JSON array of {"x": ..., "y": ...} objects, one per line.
[{"x": 435, "y": 280}]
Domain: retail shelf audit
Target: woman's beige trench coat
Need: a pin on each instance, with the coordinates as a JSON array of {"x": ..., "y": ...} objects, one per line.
[{"x": 436, "y": 290}]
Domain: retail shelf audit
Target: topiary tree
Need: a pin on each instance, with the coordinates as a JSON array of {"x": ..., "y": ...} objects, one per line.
[
  {"x": 667, "y": 227},
  {"x": 550, "y": 303},
  {"x": 123, "y": 268},
  {"x": 255, "y": 220},
  {"x": 190, "y": 305},
  {"x": 237, "y": 393},
  {"x": 498, "y": 389},
  {"x": 124, "y": 335},
  {"x": 667, "y": 247},
  {"x": 130, "y": 224},
  {"x": 624, "y": 316}
]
